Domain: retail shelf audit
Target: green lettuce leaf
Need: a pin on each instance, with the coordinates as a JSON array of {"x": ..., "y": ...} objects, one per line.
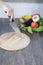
[
  {"x": 29, "y": 29},
  {"x": 39, "y": 29},
  {"x": 24, "y": 28},
  {"x": 41, "y": 22}
]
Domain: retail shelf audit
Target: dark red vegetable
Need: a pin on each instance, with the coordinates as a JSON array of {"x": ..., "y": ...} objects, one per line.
[{"x": 34, "y": 25}]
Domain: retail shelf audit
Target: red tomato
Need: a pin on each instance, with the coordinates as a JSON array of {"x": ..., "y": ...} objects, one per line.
[{"x": 34, "y": 25}]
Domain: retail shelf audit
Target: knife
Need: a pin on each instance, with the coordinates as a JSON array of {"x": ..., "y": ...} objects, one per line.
[{"x": 15, "y": 28}]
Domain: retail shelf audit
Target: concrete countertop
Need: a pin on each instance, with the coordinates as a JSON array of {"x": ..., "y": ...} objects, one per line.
[{"x": 32, "y": 55}]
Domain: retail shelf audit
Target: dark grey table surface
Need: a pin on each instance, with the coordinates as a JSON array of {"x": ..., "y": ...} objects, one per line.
[{"x": 32, "y": 55}]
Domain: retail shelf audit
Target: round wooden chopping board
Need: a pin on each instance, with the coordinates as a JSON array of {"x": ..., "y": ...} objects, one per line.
[{"x": 10, "y": 41}]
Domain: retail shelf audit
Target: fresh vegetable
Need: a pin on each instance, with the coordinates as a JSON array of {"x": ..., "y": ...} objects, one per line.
[
  {"x": 36, "y": 14},
  {"x": 28, "y": 22},
  {"x": 36, "y": 17},
  {"x": 21, "y": 20},
  {"x": 29, "y": 29},
  {"x": 39, "y": 29},
  {"x": 27, "y": 17},
  {"x": 22, "y": 26},
  {"x": 34, "y": 25},
  {"x": 41, "y": 22}
]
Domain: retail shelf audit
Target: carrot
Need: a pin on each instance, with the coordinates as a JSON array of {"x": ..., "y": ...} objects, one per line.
[{"x": 21, "y": 20}]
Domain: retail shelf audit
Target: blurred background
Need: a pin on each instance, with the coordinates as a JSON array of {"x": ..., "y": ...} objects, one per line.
[
  {"x": 31, "y": 1},
  {"x": 23, "y": 7}
]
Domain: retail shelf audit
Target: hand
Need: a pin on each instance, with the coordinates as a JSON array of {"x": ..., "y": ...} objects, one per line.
[{"x": 9, "y": 12}]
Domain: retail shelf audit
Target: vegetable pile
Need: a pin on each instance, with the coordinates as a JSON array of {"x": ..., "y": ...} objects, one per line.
[{"x": 31, "y": 23}]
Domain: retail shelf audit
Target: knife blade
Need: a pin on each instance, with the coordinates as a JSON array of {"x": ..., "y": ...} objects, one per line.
[{"x": 15, "y": 28}]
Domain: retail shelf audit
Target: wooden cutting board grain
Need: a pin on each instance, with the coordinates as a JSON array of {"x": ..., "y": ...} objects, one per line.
[{"x": 10, "y": 41}]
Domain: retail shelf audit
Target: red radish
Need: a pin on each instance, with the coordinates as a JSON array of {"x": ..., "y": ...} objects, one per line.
[
  {"x": 36, "y": 14},
  {"x": 34, "y": 25},
  {"x": 36, "y": 17}
]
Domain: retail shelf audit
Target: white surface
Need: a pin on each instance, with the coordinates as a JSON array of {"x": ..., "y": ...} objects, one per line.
[{"x": 21, "y": 9}]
